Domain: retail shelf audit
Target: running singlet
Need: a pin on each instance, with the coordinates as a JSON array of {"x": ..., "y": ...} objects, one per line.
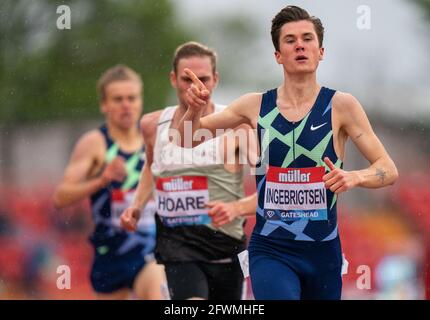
[
  {"x": 185, "y": 180},
  {"x": 109, "y": 202},
  {"x": 293, "y": 202}
]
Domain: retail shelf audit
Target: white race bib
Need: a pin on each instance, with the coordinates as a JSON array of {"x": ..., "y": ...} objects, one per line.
[
  {"x": 295, "y": 193},
  {"x": 244, "y": 262},
  {"x": 121, "y": 200},
  {"x": 181, "y": 200}
]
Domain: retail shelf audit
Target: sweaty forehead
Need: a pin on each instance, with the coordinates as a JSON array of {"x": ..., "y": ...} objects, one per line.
[{"x": 297, "y": 28}]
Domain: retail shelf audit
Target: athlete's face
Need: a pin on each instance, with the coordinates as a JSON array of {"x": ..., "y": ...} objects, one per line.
[
  {"x": 122, "y": 104},
  {"x": 299, "y": 50},
  {"x": 202, "y": 67}
]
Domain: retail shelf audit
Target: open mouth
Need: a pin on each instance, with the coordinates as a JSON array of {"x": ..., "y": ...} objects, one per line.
[{"x": 301, "y": 58}]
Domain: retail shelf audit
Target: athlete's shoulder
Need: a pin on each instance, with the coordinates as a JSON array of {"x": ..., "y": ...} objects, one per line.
[
  {"x": 90, "y": 144},
  {"x": 149, "y": 121},
  {"x": 347, "y": 109},
  {"x": 345, "y": 102},
  {"x": 252, "y": 97},
  {"x": 247, "y": 107},
  {"x": 248, "y": 102},
  {"x": 92, "y": 138}
]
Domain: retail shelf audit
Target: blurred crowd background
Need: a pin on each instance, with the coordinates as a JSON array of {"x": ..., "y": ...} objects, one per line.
[{"x": 48, "y": 99}]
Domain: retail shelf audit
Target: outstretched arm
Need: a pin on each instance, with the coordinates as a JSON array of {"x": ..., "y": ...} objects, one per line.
[
  {"x": 382, "y": 170},
  {"x": 239, "y": 112}
]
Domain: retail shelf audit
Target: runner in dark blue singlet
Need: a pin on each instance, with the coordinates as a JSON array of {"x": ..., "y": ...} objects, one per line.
[
  {"x": 296, "y": 234},
  {"x": 105, "y": 166},
  {"x": 294, "y": 251}
]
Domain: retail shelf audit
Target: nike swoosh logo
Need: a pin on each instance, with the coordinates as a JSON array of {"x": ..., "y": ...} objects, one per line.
[{"x": 317, "y": 127}]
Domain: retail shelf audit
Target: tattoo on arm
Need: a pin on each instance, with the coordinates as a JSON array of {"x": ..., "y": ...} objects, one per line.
[{"x": 381, "y": 174}]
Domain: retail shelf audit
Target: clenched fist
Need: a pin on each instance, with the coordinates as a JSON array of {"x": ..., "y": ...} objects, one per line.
[
  {"x": 114, "y": 171},
  {"x": 129, "y": 218}
]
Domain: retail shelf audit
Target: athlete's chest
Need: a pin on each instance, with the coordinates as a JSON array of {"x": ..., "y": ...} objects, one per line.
[{"x": 291, "y": 114}]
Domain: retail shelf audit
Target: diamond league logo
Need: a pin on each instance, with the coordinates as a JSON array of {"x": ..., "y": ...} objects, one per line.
[{"x": 270, "y": 213}]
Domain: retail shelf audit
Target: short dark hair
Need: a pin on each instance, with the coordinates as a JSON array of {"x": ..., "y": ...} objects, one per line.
[
  {"x": 119, "y": 72},
  {"x": 292, "y": 14},
  {"x": 192, "y": 49}
]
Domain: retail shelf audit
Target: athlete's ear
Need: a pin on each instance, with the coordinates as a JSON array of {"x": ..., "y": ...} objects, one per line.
[
  {"x": 216, "y": 79},
  {"x": 103, "y": 108},
  {"x": 321, "y": 53},
  {"x": 278, "y": 57},
  {"x": 173, "y": 80}
]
